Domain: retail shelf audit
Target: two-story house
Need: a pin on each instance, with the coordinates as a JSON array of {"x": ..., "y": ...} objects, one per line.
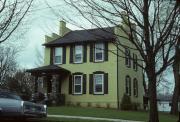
[{"x": 89, "y": 67}]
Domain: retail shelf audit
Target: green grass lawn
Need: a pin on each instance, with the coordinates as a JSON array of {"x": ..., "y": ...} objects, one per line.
[{"x": 108, "y": 113}]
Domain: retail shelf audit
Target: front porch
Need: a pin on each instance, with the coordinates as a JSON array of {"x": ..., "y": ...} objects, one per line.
[{"x": 48, "y": 80}]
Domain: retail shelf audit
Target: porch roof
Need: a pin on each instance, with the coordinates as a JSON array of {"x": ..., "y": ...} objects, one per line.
[{"x": 48, "y": 69}]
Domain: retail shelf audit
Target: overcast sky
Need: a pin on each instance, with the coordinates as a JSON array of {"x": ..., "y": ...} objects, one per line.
[{"x": 41, "y": 21}]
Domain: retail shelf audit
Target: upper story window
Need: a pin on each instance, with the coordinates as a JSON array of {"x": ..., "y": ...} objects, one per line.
[
  {"x": 99, "y": 52},
  {"x": 77, "y": 84},
  {"x": 127, "y": 57},
  {"x": 98, "y": 83},
  {"x": 128, "y": 85},
  {"x": 78, "y": 54},
  {"x": 135, "y": 65},
  {"x": 58, "y": 55}
]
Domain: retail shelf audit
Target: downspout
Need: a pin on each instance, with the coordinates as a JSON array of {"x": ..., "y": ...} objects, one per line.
[
  {"x": 117, "y": 82},
  {"x": 116, "y": 31}
]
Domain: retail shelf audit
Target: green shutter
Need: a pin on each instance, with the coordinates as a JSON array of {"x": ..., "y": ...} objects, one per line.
[
  {"x": 70, "y": 84},
  {"x": 85, "y": 53},
  {"x": 134, "y": 62},
  {"x": 137, "y": 88},
  {"x": 64, "y": 55},
  {"x": 126, "y": 85},
  {"x": 49, "y": 84},
  {"x": 84, "y": 83},
  {"x": 71, "y": 54},
  {"x": 91, "y": 83},
  {"x": 106, "y": 83},
  {"x": 129, "y": 86},
  {"x": 36, "y": 84},
  {"x": 134, "y": 87},
  {"x": 130, "y": 58},
  {"x": 106, "y": 51},
  {"x": 51, "y": 55},
  {"x": 91, "y": 52}
]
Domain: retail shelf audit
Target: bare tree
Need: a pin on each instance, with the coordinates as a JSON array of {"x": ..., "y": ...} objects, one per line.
[
  {"x": 12, "y": 12},
  {"x": 21, "y": 83},
  {"x": 176, "y": 71},
  {"x": 8, "y": 63},
  {"x": 154, "y": 36}
]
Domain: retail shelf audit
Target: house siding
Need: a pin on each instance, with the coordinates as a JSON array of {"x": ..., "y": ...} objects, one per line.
[
  {"x": 116, "y": 69},
  {"x": 110, "y": 67},
  {"x": 123, "y": 71}
]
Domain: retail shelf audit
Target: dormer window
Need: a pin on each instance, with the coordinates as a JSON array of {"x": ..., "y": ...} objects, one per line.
[
  {"x": 99, "y": 52},
  {"x": 58, "y": 55},
  {"x": 78, "y": 54}
]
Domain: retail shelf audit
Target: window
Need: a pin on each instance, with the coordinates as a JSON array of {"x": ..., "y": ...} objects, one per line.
[
  {"x": 77, "y": 84},
  {"x": 135, "y": 86},
  {"x": 40, "y": 83},
  {"x": 58, "y": 55},
  {"x": 98, "y": 83},
  {"x": 78, "y": 54},
  {"x": 99, "y": 52},
  {"x": 134, "y": 61},
  {"x": 127, "y": 57},
  {"x": 128, "y": 85}
]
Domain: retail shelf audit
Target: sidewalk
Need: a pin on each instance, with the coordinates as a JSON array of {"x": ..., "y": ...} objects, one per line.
[{"x": 91, "y": 118}]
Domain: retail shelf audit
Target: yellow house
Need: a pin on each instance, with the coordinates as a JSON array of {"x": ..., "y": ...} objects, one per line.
[{"x": 89, "y": 68}]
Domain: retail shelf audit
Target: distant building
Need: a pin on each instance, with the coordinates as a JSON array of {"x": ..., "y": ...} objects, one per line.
[{"x": 164, "y": 103}]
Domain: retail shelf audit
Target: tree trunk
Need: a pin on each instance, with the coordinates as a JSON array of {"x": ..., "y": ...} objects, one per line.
[
  {"x": 153, "y": 115},
  {"x": 174, "y": 107}
]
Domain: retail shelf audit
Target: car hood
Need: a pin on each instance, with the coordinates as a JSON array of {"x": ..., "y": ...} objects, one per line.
[
  {"x": 5, "y": 102},
  {"x": 32, "y": 104}
]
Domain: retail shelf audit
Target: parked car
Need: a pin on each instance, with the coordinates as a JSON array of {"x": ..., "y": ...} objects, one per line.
[{"x": 11, "y": 105}]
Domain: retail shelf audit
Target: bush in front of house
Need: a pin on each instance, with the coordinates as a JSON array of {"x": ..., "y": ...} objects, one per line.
[
  {"x": 126, "y": 103},
  {"x": 135, "y": 106},
  {"x": 38, "y": 97}
]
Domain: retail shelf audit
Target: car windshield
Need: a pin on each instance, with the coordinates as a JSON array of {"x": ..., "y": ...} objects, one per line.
[{"x": 9, "y": 95}]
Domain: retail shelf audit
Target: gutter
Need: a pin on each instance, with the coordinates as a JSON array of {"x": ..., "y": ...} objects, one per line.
[{"x": 117, "y": 82}]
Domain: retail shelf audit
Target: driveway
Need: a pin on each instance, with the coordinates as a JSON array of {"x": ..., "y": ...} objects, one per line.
[{"x": 91, "y": 118}]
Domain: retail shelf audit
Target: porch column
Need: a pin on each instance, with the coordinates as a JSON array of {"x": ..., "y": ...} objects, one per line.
[
  {"x": 36, "y": 84},
  {"x": 49, "y": 84},
  {"x": 59, "y": 84}
]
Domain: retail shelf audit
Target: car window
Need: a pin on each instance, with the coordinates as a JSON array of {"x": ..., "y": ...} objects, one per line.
[{"x": 9, "y": 95}]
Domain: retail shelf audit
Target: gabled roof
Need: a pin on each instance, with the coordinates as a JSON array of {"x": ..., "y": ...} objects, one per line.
[{"x": 81, "y": 36}]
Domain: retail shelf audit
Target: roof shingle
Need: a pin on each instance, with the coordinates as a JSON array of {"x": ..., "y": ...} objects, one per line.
[{"x": 81, "y": 36}]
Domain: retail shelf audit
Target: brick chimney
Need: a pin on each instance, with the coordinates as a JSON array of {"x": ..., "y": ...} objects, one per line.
[{"x": 63, "y": 29}]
